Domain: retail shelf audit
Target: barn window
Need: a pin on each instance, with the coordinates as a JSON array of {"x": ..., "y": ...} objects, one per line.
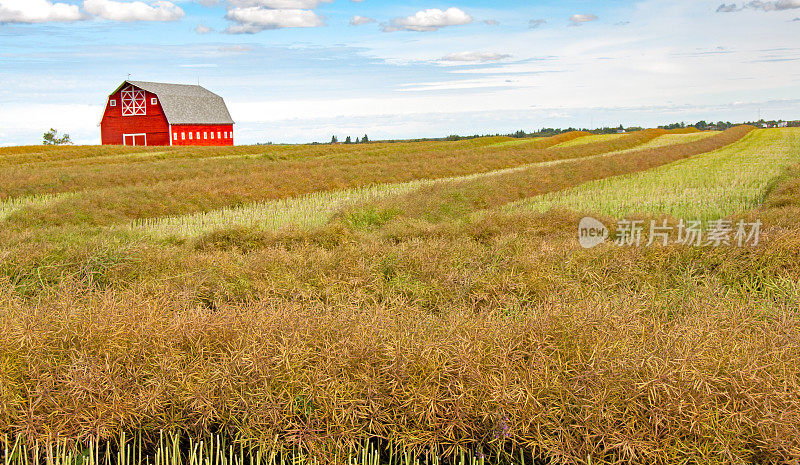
[
  {"x": 183, "y": 136},
  {"x": 133, "y": 102},
  {"x": 175, "y": 136},
  {"x": 112, "y": 103},
  {"x": 219, "y": 135},
  {"x": 198, "y": 135},
  {"x": 205, "y": 135},
  {"x": 212, "y": 136},
  {"x": 190, "y": 136},
  {"x": 154, "y": 101}
]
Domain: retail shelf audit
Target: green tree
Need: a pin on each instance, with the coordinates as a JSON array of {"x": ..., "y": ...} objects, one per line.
[
  {"x": 334, "y": 140},
  {"x": 51, "y": 138},
  {"x": 349, "y": 140},
  {"x": 365, "y": 139}
]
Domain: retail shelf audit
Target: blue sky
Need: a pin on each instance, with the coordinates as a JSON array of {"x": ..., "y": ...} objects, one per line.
[{"x": 302, "y": 70}]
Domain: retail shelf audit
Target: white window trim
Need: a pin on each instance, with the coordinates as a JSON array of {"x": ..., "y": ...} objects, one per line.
[
  {"x": 153, "y": 101},
  {"x": 112, "y": 102}
]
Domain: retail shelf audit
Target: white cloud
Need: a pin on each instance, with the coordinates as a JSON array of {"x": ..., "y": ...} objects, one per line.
[
  {"x": 491, "y": 22},
  {"x": 775, "y": 5},
  {"x": 429, "y": 20},
  {"x": 279, "y": 4},
  {"x": 479, "y": 57},
  {"x": 252, "y": 16},
  {"x": 202, "y": 29},
  {"x": 535, "y": 23},
  {"x": 255, "y": 19},
  {"x": 37, "y": 11},
  {"x": 360, "y": 20},
  {"x": 577, "y": 20},
  {"x": 134, "y": 11},
  {"x": 727, "y": 8},
  {"x": 234, "y": 49},
  {"x": 496, "y": 82}
]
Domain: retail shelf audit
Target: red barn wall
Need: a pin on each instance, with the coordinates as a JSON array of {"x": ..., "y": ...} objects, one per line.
[
  {"x": 154, "y": 123},
  {"x": 205, "y": 132}
]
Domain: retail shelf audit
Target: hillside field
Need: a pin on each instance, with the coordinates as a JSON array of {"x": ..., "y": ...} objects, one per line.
[{"x": 402, "y": 303}]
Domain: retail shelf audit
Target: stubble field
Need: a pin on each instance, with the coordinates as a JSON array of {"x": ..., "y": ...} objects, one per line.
[{"x": 395, "y": 303}]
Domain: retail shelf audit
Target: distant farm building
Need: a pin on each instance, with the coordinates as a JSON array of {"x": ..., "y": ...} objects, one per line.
[{"x": 156, "y": 114}]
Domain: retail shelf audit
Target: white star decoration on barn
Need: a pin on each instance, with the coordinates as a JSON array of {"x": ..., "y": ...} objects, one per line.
[{"x": 133, "y": 102}]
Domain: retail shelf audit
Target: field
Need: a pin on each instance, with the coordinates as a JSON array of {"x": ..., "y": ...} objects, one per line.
[
  {"x": 591, "y": 139},
  {"x": 399, "y": 303},
  {"x": 722, "y": 183}
]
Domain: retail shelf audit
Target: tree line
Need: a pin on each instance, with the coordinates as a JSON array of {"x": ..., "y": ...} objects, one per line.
[{"x": 349, "y": 140}]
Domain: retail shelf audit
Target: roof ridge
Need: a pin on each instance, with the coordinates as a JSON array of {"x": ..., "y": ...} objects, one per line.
[{"x": 167, "y": 84}]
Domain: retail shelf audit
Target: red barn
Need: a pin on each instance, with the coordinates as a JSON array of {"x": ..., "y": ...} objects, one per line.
[{"x": 152, "y": 114}]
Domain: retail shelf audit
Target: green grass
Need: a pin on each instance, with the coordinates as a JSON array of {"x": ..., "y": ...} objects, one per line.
[
  {"x": 707, "y": 186},
  {"x": 194, "y": 182},
  {"x": 9, "y": 206},
  {"x": 511, "y": 143},
  {"x": 316, "y": 209},
  {"x": 306, "y": 211}
]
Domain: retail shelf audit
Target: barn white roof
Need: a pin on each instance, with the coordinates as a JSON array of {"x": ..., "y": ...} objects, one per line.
[{"x": 187, "y": 104}]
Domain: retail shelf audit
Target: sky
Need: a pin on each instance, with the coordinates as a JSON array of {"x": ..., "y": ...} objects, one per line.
[{"x": 294, "y": 71}]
